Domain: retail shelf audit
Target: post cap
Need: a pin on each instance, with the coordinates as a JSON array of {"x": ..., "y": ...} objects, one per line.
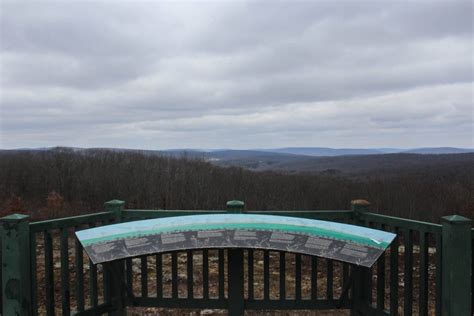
[
  {"x": 12, "y": 218},
  {"x": 455, "y": 219},
  {"x": 360, "y": 203},
  {"x": 235, "y": 205},
  {"x": 114, "y": 203}
]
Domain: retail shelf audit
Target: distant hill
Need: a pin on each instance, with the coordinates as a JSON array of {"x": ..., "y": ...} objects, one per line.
[
  {"x": 439, "y": 150},
  {"x": 302, "y": 159},
  {"x": 324, "y": 151}
]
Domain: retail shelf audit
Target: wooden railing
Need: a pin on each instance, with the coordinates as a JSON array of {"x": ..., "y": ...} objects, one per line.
[{"x": 426, "y": 271}]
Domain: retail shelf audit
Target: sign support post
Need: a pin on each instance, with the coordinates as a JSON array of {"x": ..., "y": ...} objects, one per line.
[
  {"x": 115, "y": 271},
  {"x": 361, "y": 275}
]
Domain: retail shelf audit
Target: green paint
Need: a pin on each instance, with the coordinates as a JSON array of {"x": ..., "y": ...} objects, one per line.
[{"x": 319, "y": 232}]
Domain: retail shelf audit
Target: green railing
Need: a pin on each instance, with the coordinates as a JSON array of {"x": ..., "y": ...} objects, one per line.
[{"x": 426, "y": 271}]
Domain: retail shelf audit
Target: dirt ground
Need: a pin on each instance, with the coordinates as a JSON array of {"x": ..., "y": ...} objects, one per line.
[{"x": 164, "y": 312}]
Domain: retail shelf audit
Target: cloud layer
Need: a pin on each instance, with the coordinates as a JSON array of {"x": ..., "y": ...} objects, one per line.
[{"x": 236, "y": 74}]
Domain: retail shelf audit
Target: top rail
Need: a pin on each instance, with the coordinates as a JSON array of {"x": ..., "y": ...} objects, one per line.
[
  {"x": 310, "y": 214},
  {"x": 403, "y": 223},
  {"x": 70, "y": 221}
]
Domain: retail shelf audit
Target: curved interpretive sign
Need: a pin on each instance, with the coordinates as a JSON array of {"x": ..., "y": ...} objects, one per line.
[{"x": 348, "y": 243}]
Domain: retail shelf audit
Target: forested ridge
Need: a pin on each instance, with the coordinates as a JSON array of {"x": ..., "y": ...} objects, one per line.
[{"x": 61, "y": 182}]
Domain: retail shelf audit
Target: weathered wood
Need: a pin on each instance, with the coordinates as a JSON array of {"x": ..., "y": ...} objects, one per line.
[
  {"x": 456, "y": 265},
  {"x": 16, "y": 272}
]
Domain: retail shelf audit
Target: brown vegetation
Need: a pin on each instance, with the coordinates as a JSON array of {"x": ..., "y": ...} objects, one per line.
[{"x": 55, "y": 183}]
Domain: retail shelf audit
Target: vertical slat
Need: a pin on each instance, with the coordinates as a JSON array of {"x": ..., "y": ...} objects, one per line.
[
  {"x": 105, "y": 283},
  {"x": 394, "y": 275},
  {"x": 439, "y": 255},
  {"x": 93, "y": 299},
  {"x": 144, "y": 275},
  {"x": 49, "y": 273},
  {"x": 159, "y": 276},
  {"x": 250, "y": 273},
  {"x": 472, "y": 276},
  {"x": 79, "y": 276},
  {"x": 298, "y": 276},
  {"x": 423, "y": 304},
  {"x": 190, "y": 273},
  {"x": 65, "y": 292},
  {"x": 282, "y": 276},
  {"x": 408, "y": 273},
  {"x": 329, "y": 279},
  {"x": 345, "y": 274},
  {"x": 129, "y": 275},
  {"x": 34, "y": 288},
  {"x": 174, "y": 274},
  {"x": 381, "y": 279},
  {"x": 266, "y": 275},
  {"x": 106, "y": 274},
  {"x": 205, "y": 273},
  {"x": 93, "y": 284},
  {"x": 222, "y": 274},
  {"x": 235, "y": 268},
  {"x": 314, "y": 278}
]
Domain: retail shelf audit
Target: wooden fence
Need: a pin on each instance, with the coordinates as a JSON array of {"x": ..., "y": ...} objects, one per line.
[{"x": 427, "y": 270}]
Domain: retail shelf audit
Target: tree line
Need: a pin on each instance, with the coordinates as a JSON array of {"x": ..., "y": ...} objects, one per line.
[{"x": 62, "y": 182}]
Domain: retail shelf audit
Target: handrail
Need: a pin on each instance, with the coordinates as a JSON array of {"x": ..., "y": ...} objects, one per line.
[
  {"x": 402, "y": 222},
  {"x": 70, "y": 221}
]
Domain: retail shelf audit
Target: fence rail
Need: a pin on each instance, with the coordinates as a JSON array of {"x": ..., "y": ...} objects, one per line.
[{"x": 419, "y": 274}]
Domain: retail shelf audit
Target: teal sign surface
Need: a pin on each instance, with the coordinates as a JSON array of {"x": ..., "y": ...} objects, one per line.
[{"x": 347, "y": 243}]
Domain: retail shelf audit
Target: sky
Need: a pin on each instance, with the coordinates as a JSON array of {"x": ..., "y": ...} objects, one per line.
[{"x": 236, "y": 74}]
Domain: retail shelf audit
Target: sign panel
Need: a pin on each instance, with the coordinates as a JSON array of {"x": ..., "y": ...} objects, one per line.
[{"x": 343, "y": 242}]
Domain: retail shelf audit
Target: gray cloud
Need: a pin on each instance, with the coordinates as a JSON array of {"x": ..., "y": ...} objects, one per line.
[{"x": 236, "y": 74}]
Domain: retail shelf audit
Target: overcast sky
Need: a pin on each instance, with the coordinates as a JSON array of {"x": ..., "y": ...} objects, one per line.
[{"x": 236, "y": 74}]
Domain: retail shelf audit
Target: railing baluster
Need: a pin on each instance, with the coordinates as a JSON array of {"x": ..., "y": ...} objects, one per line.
[
  {"x": 439, "y": 254},
  {"x": 329, "y": 279},
  {"x": 314, "y": 278},
  {"x": 250, "y": 262},
  {"x": 190, "y": 273},
  {"x": 205, "y": 274},
  {"x": 93, "y": 285},
  {"x": 345, "y": 274},
  {"x": 79, "y": 275},
  {"x": 282, "y": 276},
  {"x": 159, "y": 276},
  {"x": 266, "y": 275},
  {"x": 221, "y": 274},
  {"x": 423, "y": 308},
  {"x": 34, "y": 283},
  {"x": 129, "y": 275},
  {"x": 174, "y": 274},
  {"x": 408, "y": 273},
  {"x": 394, "y": 275},
  {"x": 49, "y": 273},
  {"x": 93, "y": 280},
  {"x": 144, "y": 275},
  {"x": 65, "y": 292},
  {"x": 381, "y": 279},
  {"x": 106, "y": 275},
  {"x": 298, "y": 276}
]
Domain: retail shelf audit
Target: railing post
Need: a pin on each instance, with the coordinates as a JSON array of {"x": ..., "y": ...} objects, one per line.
[
  {"x": 456, "y": 266},
  {"x": 16, "y": 280},
  {"x": 235, "y": 206},
  {"x": 235, "y": 269},
  {"x": 361, "y": 287},
  {"x": 116, "y": 270},
  {"x": 116, "y": 207}
]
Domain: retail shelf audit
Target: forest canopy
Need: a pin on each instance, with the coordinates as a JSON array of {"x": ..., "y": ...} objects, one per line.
[{"x": 61, "y": 182}]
